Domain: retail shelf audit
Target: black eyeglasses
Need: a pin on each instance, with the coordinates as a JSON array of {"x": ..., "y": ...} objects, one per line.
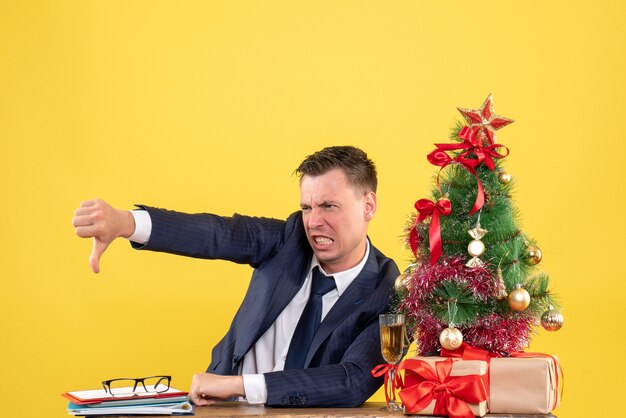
[{"x": 126, "y": 386}]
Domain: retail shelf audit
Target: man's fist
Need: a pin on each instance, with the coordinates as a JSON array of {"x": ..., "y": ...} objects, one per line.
[
  {"x": 207, "y": 388},
  {"x": 98, "y": 220}
]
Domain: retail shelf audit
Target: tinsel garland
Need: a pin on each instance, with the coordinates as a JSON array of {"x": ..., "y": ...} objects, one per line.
[
  {"x": 501, "y": 334},
  {"x": 427, "y": 277},
  {"x": 493, "y": 333}
]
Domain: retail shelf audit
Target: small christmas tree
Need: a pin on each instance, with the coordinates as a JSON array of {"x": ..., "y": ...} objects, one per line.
[{"x": 474, "y": 276}]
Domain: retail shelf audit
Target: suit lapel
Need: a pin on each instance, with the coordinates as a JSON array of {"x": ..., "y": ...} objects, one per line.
[
  {"x": 363, "y": 285},
  {"x": 264, "y": 311},
  {"x": 275, "y": 285},
  {"x": 283, "y": 293}
]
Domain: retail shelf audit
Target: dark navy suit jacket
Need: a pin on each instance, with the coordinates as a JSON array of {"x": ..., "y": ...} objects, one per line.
[{"x": 346, "y": 346}]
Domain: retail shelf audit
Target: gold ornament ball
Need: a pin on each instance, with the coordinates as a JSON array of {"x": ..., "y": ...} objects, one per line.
[
  {"x": 476, "y": 248},
  {"x": 504, "y": 178},
  {"x": 519, "y": 299},
  {"x": 451, "y": 338},
  {"x": 533, "y": 254},
  {"x": 401, "y": 282},
  {"x": 552, "y": 320}
]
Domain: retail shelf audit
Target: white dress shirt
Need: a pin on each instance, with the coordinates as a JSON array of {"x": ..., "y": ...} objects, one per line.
[{"x": 270, "y": 351}]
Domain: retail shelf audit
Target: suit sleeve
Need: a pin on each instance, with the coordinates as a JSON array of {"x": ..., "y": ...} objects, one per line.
[{"x": 241, "y": 239}]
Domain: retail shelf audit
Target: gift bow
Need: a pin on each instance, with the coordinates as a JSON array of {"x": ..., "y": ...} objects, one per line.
[
  {"x": 471, "y": 146},
  {"x": 422, "y": 384},
  {"x": 426, "y": 208}
]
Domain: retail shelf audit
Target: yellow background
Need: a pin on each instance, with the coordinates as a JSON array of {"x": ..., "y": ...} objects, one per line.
[{"x": 209, "y": 106}]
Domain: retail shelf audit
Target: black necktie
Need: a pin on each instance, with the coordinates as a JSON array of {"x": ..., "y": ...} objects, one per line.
[{"x": 309, "y": 321}]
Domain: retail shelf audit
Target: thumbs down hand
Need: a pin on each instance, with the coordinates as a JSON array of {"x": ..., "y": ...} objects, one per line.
[{"x": 98, "y": 220}]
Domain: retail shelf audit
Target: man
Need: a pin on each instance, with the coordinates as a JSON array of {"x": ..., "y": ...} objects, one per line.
[{"x": 318, "y": 265}]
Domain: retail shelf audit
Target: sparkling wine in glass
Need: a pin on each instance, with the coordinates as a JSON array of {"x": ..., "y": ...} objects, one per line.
[{"x": 391, "y": 345}]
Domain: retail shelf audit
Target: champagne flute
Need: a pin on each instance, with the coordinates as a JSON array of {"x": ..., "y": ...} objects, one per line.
[{"x": 392, "y": 335}]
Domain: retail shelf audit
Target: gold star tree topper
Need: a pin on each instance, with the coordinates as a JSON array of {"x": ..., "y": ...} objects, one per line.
[{"x": 485, "y": 121}]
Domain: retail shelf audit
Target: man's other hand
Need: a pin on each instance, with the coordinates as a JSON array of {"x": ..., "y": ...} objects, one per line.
[
  {"x": 98, "y": 220},
  {"x": 207, "y": 388}
]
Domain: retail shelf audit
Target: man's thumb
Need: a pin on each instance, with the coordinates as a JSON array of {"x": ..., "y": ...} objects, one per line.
[{"x": 99, "y": 247}]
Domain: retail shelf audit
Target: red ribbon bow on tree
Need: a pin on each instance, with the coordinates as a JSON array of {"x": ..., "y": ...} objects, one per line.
[
  {"x": 472, "y": 146},
  {"x": 423, "y": 384},
  {"x": 426, "y": 208}
]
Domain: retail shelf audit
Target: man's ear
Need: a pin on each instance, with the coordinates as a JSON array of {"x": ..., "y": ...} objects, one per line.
[{"x": 369, "y": 206}]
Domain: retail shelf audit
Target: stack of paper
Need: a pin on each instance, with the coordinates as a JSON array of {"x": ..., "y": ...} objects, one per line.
[{"x": 98, "y": 402}]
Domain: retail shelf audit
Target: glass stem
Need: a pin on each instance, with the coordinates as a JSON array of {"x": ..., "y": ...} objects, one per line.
[{"x": 392, "y": 392}]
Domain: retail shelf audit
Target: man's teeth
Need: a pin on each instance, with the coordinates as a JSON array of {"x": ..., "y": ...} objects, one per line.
[{"x": 323, "y": 241}]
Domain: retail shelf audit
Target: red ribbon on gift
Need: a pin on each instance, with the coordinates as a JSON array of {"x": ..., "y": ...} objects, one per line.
[
  {"x": 422, "y": 384},
  {"x": 471, "y": 146},
  {"x": 426, "y": 208},
  {"x": 383, "y": 370},
  {"x": 469, "y": 352}
]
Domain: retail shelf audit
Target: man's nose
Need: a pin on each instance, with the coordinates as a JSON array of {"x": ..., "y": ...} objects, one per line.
[{"x": 315, "y": 218}]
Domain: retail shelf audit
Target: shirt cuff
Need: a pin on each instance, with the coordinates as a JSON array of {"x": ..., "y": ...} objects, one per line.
[
  {"x": 255, "y": 388},
  {"x": 143, "y": 226}
]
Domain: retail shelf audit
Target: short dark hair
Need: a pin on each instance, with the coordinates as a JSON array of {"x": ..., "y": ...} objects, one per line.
[{"x": 360, "y": 170}]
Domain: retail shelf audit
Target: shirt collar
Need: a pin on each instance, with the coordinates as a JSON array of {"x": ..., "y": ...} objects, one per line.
[{"x": 343, "y": 279}]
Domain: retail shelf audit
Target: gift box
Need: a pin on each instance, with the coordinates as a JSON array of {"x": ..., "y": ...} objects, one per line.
[
  {"x": 442, "y": 386},
  {"x": 523, "y": 385}
]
